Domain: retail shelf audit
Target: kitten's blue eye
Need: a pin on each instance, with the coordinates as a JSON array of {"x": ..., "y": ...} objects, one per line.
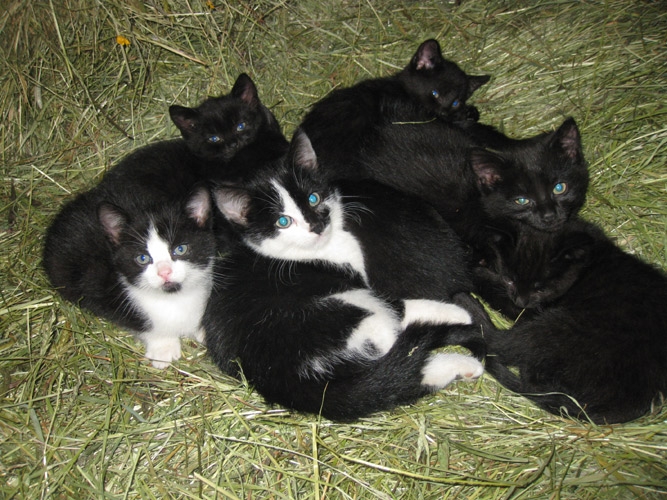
[
  {"x": 142, "y": 259},
  {"x": 560, "y": 188},
  {"x": 456, "y": 103},
  {"x": 180, "y": 250},
  {"x": 240, "y": 127},
  {"x": 214, "y": 139},
  {"x": 284, "y": 221},
  {"x": 435, "y": 93},
  {"x": 314, "y": 199},
  {"x": 522, "y": 201}
]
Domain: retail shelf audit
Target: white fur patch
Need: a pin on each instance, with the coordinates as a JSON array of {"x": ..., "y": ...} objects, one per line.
[
  {"x": 434, "y": 312},
  {"x": 444, "y": 368},
  {"x": 299, "y": 243},
  {"x": 380, "y": 328}
]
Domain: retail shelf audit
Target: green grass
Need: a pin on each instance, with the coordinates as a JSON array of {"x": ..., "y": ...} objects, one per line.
[{"x": 83, "y": 416}]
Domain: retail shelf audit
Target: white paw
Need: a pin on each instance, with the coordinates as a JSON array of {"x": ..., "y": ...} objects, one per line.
[
  {"x": 162, "y": 352},
  {"x": 434, "y": 312},
  {"x": 442, "y": 369},
  {"x": 198, "y": 335}
]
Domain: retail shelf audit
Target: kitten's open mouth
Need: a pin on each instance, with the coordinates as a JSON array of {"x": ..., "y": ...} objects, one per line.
[{"x": 171, "y": 287}]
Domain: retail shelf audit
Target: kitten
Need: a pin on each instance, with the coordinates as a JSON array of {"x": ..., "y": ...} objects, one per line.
[
  {"x": 230, "y": 133},
  {"x": 594, "y": 341},
  {"x": 538, "y": 182},
  {"x": 149, "y": 271},
  {"x": 397, "y": 242},
  {"x": 430, "y": 87},
  {"x": 295, "y": 315}
]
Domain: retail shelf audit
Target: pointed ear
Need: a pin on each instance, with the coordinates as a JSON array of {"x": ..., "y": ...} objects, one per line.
[
  {"x": 184, "y": 118},
  {"x": 568, "y": 139},
  {"x": 302, "y": 153},
  {"x": 198, "y": 206},
  {"x": 488, "y": 168},
  {"x": 233, "y": 203},
  {"x": 244, "y": 89},
  {"x": 475, "y": 82},
  {"x": 427, "y": 57},
  {"x": 113, "y": 221}
]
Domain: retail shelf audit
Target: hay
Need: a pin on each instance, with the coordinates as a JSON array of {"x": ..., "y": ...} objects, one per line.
[{"x": 83, "y": 416}]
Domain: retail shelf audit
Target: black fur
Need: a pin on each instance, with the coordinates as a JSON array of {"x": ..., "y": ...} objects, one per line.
[
  {"x": 593, "y": 340},
  {"x": 430, "y": 87}
]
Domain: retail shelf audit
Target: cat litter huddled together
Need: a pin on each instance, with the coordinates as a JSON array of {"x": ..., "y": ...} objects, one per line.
[{"x": 331, "y": 270}]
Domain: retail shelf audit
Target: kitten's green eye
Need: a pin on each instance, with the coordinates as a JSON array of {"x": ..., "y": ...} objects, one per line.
[
  {"x": 180, "y": 250},
  {"x": 284, "y": 221},
  {"x": 560, "y": 188},
  {"x": 435, "y": 93},
  {"x": 240, "y": 127},
  {"x": 522, "y": 201},
  {"x": 314, "y": 199},
  {"x": 456, "y": 103},
  {"x": 214, "y": 139},
  {"x": 143, "y": 259}
]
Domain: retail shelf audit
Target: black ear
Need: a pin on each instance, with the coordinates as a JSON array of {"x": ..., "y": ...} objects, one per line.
[
  {"x": 475, "y": 82},
  {"x": 488, "y": 168},
  {"x": 568, "y": 140},
  {"x": 198, "y": 206},
  {"x": 244, "y": 88},
  {"x": 184, "y": 118},
  {"x": 427, "y": 57},
  {"x": 301, "y": 152},
  {"x": 233, "y": 203},
  {"x": 113, "y": 221}
]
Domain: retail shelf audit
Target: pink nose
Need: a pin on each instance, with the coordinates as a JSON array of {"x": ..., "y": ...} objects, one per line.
[{"x": 164, "y": 270}]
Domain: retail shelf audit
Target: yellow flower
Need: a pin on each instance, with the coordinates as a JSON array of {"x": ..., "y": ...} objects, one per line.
[
  {"x": 210, "y": 5},
  {"x": 121, "y": 40}
]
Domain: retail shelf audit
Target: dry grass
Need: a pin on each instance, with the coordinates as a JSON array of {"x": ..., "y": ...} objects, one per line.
[{"x": 81, "y": 414}]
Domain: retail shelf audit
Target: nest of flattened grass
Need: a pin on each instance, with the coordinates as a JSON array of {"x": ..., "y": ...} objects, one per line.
[{"x": 82, "y": 415}]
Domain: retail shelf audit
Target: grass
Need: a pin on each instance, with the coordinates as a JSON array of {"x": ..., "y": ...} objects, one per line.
[{"x": 83, "y": 416}]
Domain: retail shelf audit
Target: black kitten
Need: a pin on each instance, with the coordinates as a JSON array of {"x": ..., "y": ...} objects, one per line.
[
  {"x": 538, "y": 182},
  {"x": 147, "y": 271},
  {"x": 594, "y": 341},
  {"x": 296, "y": 314},
  {"x": 429, "y": 87},
  {"x": 231, "y": 133}
]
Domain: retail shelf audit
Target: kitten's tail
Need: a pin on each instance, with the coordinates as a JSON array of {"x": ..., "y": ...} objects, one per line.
[{"x": 409, "y": 370}]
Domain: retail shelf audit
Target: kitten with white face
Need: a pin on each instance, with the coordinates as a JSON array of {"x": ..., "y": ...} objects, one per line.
[
  {"x": 296, "y": 314},
  {"x": 149, "y": 272}
]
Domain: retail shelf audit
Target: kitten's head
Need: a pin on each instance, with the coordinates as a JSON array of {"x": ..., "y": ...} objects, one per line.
[
  {"x": 540, "y": 182},
  {"x": 287, "y": 211},
  {"x": 165, "y": 249},
  {"x": 438, "y": 84},
  {"x": 534, "y": 269},
  {"x": 220, "y": 127}
]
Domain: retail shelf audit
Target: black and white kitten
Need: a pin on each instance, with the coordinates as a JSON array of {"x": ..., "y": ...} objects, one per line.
[
  {"x": 429, "y": 87},
  {"x": 593, "y": 338},
  {"x": 296, "y": 316},
  {"x": 231, "y": 133},
  {"x": 150, "y": 271}
]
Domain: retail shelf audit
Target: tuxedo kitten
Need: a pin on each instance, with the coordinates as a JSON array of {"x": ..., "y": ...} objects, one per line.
[
  {"x": 295, "y": 315},
  {"x": 594, "y": 341},
  {"x": 148, "y": 271},
  {"x": 397, "y": 243},
  {"x": 429, "y": 87},
  {"x": 230, "y": 133}
]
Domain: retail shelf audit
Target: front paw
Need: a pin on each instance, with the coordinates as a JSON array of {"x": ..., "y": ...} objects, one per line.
[{"x": 161, "y": 352}]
